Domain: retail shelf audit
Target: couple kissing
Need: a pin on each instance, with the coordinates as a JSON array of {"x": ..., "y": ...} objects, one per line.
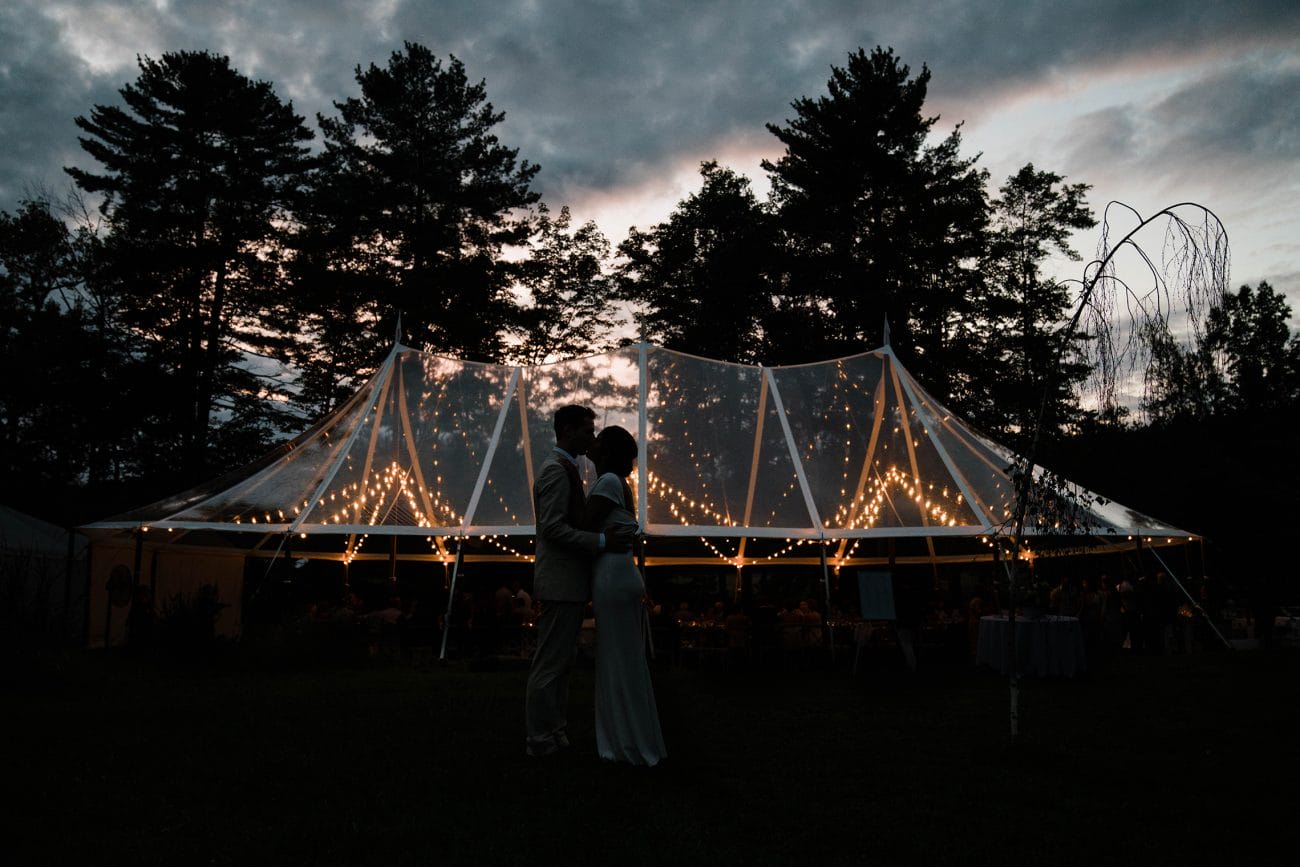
[{"x": 584, "y": 551}]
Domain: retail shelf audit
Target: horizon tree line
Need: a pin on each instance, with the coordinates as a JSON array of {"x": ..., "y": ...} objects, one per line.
[{"x": 235, "y": 280}]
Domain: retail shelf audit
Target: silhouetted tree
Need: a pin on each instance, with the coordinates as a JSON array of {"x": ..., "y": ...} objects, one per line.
[
  {"x": 1245, "y": 366},
  {"x": 569, "y": 310},
  {"x": 1021, "y": 309},
  {"x": 701, "y": 279},
  {"x": 415, "y": 200},
  {"x": 1250, "y": 332},
  {"x": 877, "y": 223},
  {"x": 41, "y": 339},
  {"x": 200, "y": 171}
]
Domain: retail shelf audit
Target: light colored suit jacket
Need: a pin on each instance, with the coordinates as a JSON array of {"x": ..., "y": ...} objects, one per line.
[{"x": 562, "y": 570}]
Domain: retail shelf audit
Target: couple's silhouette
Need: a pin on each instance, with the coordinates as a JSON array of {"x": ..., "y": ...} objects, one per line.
[{"x": 584, "y": 551}]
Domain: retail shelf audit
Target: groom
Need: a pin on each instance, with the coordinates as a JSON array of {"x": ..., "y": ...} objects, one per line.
[{"x": 561, "y": 577}]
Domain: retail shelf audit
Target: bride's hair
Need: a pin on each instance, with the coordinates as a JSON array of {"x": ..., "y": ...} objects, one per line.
[{"x": 618, "y": 448}]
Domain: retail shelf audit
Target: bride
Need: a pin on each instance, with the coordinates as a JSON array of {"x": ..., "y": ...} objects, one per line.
[{"x": 627, "y": 722}]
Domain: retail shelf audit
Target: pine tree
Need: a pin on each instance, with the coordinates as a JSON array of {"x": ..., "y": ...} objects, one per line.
[
  {"x": 570, "y": 305},
  {"x": 1022, "y": 309},
  {"x": 701, "y": 279},
  {"x": 413, "y": 206},
  {"x": 200, "y": 171},
  {"x": 876, "y": 223}
]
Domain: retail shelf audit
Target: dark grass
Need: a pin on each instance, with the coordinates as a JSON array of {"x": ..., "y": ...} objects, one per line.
[{"x": 113, "y": 759}]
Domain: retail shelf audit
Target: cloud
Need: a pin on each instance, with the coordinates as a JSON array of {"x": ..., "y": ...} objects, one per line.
[
  {"x": 621, "y": 99},
  {"x": 1246, "y": 112},
  {"x": 984, "y": 52},
  {"x": 43, "y": 85},
  {"x": 603, "y": 92}
]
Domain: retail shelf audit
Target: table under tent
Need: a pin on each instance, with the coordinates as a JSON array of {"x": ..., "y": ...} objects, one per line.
[{"x": 834, "y": 464}]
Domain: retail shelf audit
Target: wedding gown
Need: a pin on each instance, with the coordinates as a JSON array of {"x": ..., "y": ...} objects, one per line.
[{"x": 627, "y": 721}]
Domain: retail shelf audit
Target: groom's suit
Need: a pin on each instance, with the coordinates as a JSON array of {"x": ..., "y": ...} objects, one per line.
[{"x": 562, "y": 583}]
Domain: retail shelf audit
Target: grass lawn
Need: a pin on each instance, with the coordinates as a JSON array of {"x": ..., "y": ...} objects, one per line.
[{"x": 1183, "y": 759}]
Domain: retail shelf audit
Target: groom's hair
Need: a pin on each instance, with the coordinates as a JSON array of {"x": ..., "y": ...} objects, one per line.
[{"x": 570, "y": 416}]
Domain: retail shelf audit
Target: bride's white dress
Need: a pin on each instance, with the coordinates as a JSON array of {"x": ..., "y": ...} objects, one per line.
[{"x": 627, "y": 721}]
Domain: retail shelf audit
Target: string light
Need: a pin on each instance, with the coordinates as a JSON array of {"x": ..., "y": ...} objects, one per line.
[{"x": 412, "y": 468}]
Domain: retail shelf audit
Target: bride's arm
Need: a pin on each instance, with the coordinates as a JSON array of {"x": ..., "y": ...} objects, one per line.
[{"x": 597, "y": 509}]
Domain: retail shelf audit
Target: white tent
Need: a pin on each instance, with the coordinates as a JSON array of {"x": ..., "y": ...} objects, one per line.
[
  {"x": 42, "y": 574},
  {"x": 739, "y": 464}
]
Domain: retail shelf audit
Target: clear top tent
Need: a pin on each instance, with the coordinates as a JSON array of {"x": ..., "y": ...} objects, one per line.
[{"x": 739, "y": 464}]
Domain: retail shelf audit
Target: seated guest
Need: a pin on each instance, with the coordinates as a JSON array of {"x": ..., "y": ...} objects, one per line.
[
  {"x": 812, "y": 620},
  {"x": 792, "y": 623},
  {"x": 737, "y": 626}
]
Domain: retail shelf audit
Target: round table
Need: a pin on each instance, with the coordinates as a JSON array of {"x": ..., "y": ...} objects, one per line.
[{"x": 1047, "y": 646}]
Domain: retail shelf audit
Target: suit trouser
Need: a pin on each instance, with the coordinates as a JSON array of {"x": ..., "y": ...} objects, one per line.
[{"x": 547, "y": 702}]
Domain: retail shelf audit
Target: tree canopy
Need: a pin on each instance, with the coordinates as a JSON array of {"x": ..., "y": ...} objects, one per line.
[
  {"x": 1245, "y": 366},
  {"x": 569, "y": 307},
  {"x": 412, "y": 206},
  {"x": 200, "y": 169},
  {"x": 1023, "y": 308},
  {"x": 709, "y": 263},
  {"x": 877, "y": 224},
  {"x": 242, "y": 275}
]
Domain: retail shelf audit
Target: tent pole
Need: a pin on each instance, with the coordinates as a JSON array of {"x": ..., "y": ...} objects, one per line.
[
  {"x": 139, "y": 555},
  {"x": 1011, "y": 567},
  {"x": 1196, "y": 606},
  {"x": 826, "y": 585},
  {"x": 753, "y": 465},
  {"x": 997, "y": 563},
  {"x": 451, "y": 597},
  {"x": 386, "y": 370},
  {"x": 646, "y": 633},
  {"x": 642, "y": 430},
  {"x": 67, "y": 582},
  {"x": 491, "y": 452},
  {"x": 814, "y": 516},
  {"x": 86, "y": 610}
]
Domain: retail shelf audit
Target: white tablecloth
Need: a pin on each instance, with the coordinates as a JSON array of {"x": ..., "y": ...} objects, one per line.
[{"x": 1049, "y": 646}]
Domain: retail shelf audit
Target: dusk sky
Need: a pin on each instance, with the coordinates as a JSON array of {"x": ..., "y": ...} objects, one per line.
[{"x": 619, "y": 102}]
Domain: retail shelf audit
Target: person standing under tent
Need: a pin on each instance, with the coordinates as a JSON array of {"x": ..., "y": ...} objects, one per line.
[
  {"x": 561, "y": 578},
  {"x": 909, "y": 611},
  {"x": 627, "y": 720}
]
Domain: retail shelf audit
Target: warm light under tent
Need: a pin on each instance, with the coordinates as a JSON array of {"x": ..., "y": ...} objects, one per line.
[{"x": 744, "y": 463}]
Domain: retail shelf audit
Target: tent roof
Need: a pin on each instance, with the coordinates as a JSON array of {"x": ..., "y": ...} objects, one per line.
[
  {"x": 21, "y": 533},
  {"x": 848, "y": 449}
]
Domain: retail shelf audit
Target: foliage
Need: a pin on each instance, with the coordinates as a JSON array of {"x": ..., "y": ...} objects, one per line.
[
  {"x": 875, "y": 223},
  {"x": 709, "y": 263},
  {"x": 1020, "y": 309},
  {"x": 412, "y": 207},
  {"x": 199, "y": 171},
  {"x": 58, "y": 430},
  {"x": 1245, "y": 364},
  {"x": 1250, "y": 332},
  {"x": 40, "y": 329},
  {"x": 1182, "y": 385},
  {"x": 1056, "y": 506},
  {"x": 569, "y": 311}
]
